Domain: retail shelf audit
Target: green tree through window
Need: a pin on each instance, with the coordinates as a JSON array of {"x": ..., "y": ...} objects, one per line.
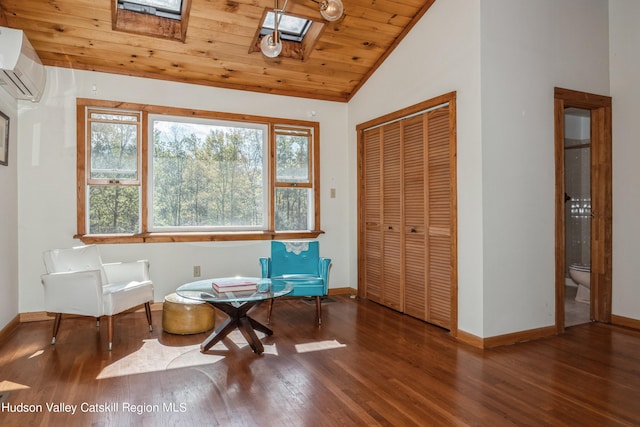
[
  {"x": 114, "y": 191},
  {"x": 208, "y": 176}
]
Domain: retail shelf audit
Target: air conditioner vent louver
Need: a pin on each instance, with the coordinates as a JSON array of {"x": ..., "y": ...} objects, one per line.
[
  {"x": 19, "y": 84},
  {"x": 21, "y": 72}
]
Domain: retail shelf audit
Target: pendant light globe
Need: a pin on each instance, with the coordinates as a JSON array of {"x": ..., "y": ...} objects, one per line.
[
  {"x": 331, "y": 10},
  {"x": 271, "y": 46}
]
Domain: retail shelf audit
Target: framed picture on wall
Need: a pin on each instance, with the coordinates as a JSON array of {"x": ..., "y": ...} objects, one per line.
[{"x": 4, "y": 139}]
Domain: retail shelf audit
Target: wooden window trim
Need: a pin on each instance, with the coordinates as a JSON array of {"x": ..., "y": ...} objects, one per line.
[{"x": 154, "y": 237}]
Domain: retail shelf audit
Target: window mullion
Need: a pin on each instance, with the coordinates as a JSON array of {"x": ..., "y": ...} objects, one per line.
[
  {"x": 285, "y": 184},
  {"x": 143, "y": 167},
  {"x": 272, "y": 177}
]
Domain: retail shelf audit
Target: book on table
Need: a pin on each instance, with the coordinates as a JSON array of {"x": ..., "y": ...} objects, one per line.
[{"x": 234, "y": 285}]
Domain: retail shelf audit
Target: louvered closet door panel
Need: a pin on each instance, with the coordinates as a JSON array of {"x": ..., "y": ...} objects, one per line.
[
  {"x": 439, "y": 298},
  {"x": 413, "y": 173},
  {"x": 372, "y": 173},
  {"x": 439, "y": 218},
  {"x": 391, "y": 216}
]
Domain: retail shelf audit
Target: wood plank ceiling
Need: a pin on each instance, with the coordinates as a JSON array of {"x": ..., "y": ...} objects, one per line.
[{"x": 79, "y": 34}]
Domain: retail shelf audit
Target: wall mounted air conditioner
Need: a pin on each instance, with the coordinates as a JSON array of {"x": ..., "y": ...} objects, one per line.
[{"x": 21, "y": 72}]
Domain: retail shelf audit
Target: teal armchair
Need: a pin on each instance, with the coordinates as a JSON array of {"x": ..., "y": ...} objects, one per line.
[{"x": 298, "y": 263}]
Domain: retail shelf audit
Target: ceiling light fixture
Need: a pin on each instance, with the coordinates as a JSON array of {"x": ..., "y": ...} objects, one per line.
[
  {"x": 271, "y": 44},
  {"x": 331, "y": 10}
]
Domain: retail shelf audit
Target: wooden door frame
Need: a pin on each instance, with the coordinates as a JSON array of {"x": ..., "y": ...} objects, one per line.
[{"x": 601, "y": 206}]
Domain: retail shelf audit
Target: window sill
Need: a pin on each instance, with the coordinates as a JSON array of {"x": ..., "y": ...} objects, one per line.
[{"x": 195, "y": 237}]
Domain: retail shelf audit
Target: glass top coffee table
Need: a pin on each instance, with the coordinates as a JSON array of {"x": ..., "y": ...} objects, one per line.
[{"x": 236, "y": 304}]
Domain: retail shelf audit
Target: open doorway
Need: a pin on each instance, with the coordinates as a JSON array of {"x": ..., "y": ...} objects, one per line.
[
  {"x": 577, "y": 215},
  {"x": 594, "y": 213}
]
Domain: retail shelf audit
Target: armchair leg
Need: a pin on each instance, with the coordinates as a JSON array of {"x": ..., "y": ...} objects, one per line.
[
  {"x": 56, "y": 326},
  {"x": 110, "y": 331},
  {"x": 318, "y": 310},
  {"x": 269, "y": 309},
  {"x": 147, "y": 309}
]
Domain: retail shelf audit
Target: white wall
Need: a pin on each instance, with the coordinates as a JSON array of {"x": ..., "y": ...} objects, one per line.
[
  {"x": 504, "y": 58},
  {"x": 9, "y": 219},
  {"x": 528, "y": 48},
  {"x": 625, "y": 91},
  {"x": 47, "y": 179},
  {"x": 441, "y": 54}
]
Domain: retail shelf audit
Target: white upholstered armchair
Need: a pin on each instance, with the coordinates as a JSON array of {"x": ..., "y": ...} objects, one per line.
[{"x": 77, "y": 282}]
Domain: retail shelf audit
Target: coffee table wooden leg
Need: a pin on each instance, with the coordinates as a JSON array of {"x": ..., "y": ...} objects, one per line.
[
  {"x": 259, "y": 326},
  {"x": 244, "y": 324},
  {"x": 222, "y": 331},
  {"x": 238, "y": 319}
]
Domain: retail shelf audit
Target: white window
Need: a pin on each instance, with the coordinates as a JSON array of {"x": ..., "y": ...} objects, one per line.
[
  {"x": 113, "y": 174},
  {"x": 207, "y": 175},
  {"x": 150, "y": 173},
  {"x": 294, "y": 179}
]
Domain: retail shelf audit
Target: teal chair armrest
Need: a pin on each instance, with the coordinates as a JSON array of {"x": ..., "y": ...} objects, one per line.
[
  {"x": 265, "y": 267},
  {"x": 323, "y": 269}
]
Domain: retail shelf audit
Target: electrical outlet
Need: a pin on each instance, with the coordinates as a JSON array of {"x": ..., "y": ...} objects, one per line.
[
  {"x": 332, "y": 193},
  {"x": 196, "y": 271}
]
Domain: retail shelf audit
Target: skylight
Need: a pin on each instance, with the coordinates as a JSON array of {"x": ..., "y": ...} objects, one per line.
[
  {"x": 297, "y": 34},
  {"x": 291, "y": 27},
  {"x": 163, "y": 8},
  {"x": 167, "y": 19}
]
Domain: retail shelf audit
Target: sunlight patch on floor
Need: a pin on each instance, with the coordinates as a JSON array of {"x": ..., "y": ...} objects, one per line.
[
  {"x": 236, "y": 338},
  {"x": 153, "y": 357},
  {"x": 9, "y": 386},
  {"x": 270, "y": 349},
  {"x": 36, "y": 354},
  {"x": 318, "y": 345}
]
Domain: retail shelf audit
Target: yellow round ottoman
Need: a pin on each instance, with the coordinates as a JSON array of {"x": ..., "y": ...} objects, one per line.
[{"x": 185, "y": 316}]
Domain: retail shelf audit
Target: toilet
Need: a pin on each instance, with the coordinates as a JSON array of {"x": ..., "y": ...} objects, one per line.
[{"x": 581, "y": 275}]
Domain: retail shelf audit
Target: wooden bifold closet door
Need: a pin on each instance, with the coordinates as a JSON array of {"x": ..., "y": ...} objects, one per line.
[{"x": 407, "y": 221}]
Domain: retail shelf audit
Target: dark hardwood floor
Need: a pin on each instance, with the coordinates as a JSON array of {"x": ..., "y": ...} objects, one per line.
[{"x": 366, "y": 366}]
